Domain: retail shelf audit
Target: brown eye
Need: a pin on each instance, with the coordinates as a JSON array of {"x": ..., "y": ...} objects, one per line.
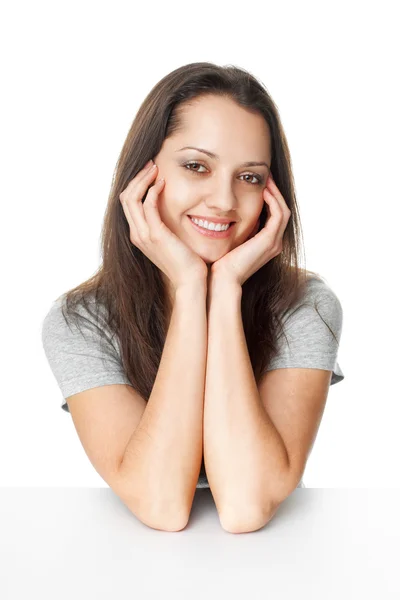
[
  {"x": 256, "y": 177},
  {"x": 259, "y": 179},
  {"x": 193, "y": 163}
]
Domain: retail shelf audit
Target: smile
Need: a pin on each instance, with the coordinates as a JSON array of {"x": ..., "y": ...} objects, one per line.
[{"x": 212, "y": 233}]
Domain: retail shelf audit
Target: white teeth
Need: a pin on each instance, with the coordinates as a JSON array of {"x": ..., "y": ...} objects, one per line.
[{"x": 210, "y": 226}]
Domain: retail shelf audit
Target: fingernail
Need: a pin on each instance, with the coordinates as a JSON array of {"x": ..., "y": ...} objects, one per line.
[{"x": 147, "y": 165}]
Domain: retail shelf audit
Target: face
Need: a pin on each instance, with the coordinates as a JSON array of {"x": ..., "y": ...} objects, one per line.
[{"x": 220, "y": 186}]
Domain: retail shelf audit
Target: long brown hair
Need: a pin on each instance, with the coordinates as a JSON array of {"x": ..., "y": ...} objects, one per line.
[{"x": 130, "y": 286}]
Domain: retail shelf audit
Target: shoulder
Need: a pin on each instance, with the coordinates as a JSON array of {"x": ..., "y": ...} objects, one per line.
[
  {"x": 319, "y": 303},
  {"x": 85, "y": 325},
  {"x": 82, "y": 352},
  {"x": 58, "y": 317},
  {"x": 311, "y": 331},
  {"x": 54, "y": 320}
]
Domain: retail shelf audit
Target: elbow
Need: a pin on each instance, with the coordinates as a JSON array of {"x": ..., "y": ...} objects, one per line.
[
  {"x": 252, "y": 515},
  {"x": 247, "y": 520},
  {"x": 175, "y": 523},
  {"x": 247, "y": 523},
  {"x": 163, "y": 519},
  {"x": 157, "y": 515}
]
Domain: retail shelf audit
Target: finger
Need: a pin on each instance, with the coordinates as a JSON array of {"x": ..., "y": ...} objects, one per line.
[
  {"x": 273, "y": 188},
  {"x": 275, "y": 212},
  {"x": 140, "y": 176},
  {"x": 138, "y": 180},
  {"x": 133, "y": 208},
  {"x": 278, "y": 217},
  {"x": 150, "y": 207},
  {"x": 132, "y": 227}
]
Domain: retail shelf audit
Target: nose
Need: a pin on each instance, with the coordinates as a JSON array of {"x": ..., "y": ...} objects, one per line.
[{"x": 221, "y": 197}]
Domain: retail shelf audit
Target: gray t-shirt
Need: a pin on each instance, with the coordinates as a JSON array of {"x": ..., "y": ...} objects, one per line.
[{"x": 79, "y": 363}]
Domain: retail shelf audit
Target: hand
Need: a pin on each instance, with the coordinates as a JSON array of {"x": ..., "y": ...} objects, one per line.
[
  {"x": 148, "y": 232},
  {"x": 240, "y": 264}
]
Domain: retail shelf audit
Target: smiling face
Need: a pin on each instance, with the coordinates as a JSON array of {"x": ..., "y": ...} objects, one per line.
[{"x": 221, "y": 186}]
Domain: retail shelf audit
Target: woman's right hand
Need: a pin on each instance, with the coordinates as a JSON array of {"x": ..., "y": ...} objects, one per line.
[{"x": 148, "y": 232}]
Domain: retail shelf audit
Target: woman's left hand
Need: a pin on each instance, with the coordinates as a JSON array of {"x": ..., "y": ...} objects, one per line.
[{"x": 240, "y": 264}]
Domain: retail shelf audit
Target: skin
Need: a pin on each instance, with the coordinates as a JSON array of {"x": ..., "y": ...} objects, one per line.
[{"x": 219, "y": 187}]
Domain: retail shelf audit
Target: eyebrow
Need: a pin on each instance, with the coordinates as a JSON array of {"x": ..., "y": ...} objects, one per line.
[{"x": 250, "y": 163}]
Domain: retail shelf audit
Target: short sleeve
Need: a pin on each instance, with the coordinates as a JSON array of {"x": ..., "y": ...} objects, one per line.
[
  {"x": 313, "y": 330},
  {"x": 79, "y": 361}
]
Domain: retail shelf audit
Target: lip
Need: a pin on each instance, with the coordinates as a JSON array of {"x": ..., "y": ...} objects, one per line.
[
  {"x": 212, "y": 234},
  {"x": 213, "y": 219}
]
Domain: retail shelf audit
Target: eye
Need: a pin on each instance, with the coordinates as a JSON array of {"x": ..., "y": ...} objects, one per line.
[
  {"x": 191, "y": 164},
  {"x": 256, "y": 177},
  {"x": 259, "y": 179}
]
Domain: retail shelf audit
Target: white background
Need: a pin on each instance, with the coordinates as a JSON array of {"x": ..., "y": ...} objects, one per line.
[{"x": 73, "y": 76}]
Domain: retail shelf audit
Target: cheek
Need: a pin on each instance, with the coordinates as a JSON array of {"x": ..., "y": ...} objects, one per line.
[
  {"x": 172, "y": 208},
  {"x": 254, "y": 230},
  {"x": 176, "y": 198}
]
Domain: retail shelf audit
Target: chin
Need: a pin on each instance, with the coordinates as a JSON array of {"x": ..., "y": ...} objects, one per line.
[{"x": 210, "y": 261}]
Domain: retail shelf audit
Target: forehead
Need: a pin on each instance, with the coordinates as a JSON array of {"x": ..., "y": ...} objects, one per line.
[{"x": 221, "y": 125}]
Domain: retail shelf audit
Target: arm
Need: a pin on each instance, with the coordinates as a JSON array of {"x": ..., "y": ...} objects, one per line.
[
  {"x": 163, "y": 456},
  {"x": 243, "y": 451}
]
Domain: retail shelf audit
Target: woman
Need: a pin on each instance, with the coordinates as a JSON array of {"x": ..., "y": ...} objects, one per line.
[{"x": 175, "y": 298}]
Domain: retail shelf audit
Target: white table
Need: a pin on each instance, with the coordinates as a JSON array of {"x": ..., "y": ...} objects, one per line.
[{"x": 84, "y": 543}]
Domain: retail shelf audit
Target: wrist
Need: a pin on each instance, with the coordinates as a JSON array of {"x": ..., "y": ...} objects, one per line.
[
  {"x": 192, "y": 289},
  {"x": 221, "y": 286}
]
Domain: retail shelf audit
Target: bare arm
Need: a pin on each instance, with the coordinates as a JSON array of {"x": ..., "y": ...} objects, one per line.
[
  {"x": 163, "y": 457},
  {"x": 244, "y": 454}
]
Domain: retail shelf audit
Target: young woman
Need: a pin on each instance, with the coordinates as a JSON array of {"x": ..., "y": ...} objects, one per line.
[{"x": 199, "y": 355}]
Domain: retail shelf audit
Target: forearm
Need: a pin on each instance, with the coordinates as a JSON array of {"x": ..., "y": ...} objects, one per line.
[
  {"x": 165, "y": 451},
  {"x": 243, "y": 452}
]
